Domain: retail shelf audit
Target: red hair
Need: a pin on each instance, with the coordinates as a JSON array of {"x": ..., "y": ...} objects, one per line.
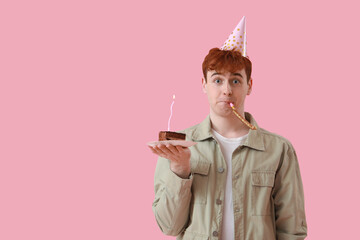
[{"x": 226, "y": 61}]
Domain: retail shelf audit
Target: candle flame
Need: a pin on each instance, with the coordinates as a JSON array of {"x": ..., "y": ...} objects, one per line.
[{"x": 174, "y": 96}]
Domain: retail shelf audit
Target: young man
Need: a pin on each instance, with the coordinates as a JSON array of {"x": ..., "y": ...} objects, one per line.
[{"x": 235, "y": 183}]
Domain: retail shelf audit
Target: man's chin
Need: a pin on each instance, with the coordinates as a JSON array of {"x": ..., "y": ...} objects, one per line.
[{"x": 224, "y": 112}]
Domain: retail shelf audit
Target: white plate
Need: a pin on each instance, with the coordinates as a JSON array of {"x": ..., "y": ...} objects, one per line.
[{"x": 173, "y": 142}]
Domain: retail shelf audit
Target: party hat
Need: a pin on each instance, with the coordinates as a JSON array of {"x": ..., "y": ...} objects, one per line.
[{"x": 237, "y": 39}]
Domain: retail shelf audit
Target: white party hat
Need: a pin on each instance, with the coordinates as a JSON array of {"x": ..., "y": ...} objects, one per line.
[{"x": 237, "y": 39}]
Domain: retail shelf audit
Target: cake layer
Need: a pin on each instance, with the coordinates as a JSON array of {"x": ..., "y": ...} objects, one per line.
[{"x": 167, "y": 135}]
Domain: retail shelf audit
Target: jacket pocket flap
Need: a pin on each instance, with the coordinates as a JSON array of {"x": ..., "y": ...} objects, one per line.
[
  {"x": 200, "y": 167},
  {"x": 263, "y": 178},
  {"x": 194, "y": 236}
]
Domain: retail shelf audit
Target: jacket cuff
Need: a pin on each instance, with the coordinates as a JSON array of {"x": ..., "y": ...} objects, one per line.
[{"x": 176, "y": 185}]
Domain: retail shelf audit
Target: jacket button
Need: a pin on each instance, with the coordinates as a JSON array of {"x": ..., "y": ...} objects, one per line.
[
  {"x": 218, "y": 201},
  {"x": 215, "y": 233},
  {"x": 220, "y": 170}
]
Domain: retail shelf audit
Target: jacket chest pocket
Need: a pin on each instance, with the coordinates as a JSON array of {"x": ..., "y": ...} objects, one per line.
[
  {"x": 262, "y": 185},
  {"x": 200, "y": 170}
]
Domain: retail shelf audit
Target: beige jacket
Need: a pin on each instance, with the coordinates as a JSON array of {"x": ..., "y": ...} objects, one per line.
[{"x": 268, "y": 196}]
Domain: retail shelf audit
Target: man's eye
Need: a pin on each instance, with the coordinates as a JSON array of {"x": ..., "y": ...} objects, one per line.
[
  {"x": 236, "y": 81},
  {"x": 217, "y": 81}
]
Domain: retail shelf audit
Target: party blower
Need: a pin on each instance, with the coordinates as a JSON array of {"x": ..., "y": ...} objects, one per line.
[{"x": 252, "y": 127}]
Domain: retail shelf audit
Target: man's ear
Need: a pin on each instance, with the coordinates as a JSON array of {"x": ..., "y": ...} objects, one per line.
[
  {"x": 250, "y": 86},
  {"x": 203, "y": 82}
]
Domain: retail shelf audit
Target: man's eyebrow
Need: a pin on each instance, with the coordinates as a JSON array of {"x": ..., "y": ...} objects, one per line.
[
  {"x": 233, "y": 74},
  {"x": 237, "y": 74}
]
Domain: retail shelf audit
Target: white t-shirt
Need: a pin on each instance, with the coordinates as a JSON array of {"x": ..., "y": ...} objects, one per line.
[{"x": 228, "y": 145}]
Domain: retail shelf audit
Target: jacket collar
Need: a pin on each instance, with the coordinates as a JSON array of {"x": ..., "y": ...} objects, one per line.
[{"x": 254, "y": 140}]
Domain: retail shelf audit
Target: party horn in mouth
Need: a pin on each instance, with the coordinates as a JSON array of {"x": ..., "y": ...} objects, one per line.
[{"x": 252, "y": 127}]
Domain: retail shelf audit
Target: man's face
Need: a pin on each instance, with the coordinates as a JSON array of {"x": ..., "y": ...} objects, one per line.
[{"x": 223, "y": 89}]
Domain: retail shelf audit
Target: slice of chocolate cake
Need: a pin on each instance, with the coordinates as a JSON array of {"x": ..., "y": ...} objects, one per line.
[{"x": 167, "y": 135}]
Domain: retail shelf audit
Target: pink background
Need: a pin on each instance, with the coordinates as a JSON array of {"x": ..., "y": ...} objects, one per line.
[{"x": 85, "y": 84}]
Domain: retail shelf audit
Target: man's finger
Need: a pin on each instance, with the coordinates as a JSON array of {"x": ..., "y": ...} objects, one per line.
[
  {"x": 173, "y": 149},
  {"x": 156, "y": 151},
  {"x": 165, "y": 150},
  {"x": 159, "y": 151},
  {"x": 152, "y": 149},
  {"x": 181, "y": 149}
]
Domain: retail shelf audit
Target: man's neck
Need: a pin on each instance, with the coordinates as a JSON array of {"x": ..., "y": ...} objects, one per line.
[{"x": 228, "y": 126}]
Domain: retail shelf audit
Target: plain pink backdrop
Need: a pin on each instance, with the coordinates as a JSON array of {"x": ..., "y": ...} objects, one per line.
[{"x": 85, "y": 84}]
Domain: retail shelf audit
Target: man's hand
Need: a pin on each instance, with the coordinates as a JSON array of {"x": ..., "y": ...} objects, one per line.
[{"x": 179, "y": 158}]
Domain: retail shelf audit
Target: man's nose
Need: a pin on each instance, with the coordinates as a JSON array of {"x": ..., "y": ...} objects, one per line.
[{"x": 227, "y": 89}]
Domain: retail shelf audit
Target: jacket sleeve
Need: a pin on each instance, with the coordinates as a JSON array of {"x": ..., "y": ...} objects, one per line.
[
  {"x": 172, "y": 199},
  {"x": 289, "y": 199}
]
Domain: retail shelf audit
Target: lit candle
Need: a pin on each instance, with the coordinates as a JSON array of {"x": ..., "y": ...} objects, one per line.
[
  {"x": 171, "y": 112},
  {"x": 252, "y": 127}
]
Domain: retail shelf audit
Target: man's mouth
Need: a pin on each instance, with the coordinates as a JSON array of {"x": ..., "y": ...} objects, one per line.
[{"x": 227, "y": 102}]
